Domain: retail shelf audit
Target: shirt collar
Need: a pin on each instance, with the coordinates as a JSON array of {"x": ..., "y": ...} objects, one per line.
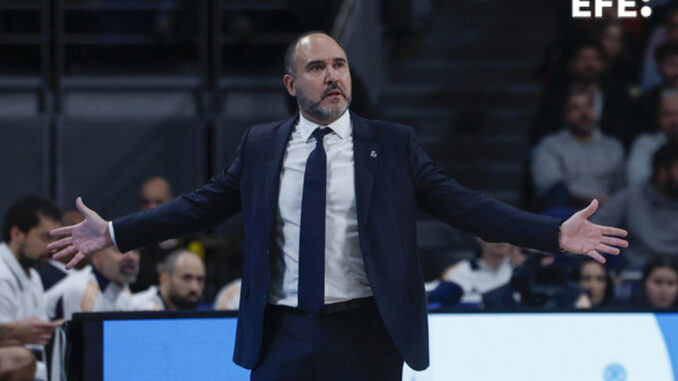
[
  {"x": 101, "y": 279},
  {"x": 341, "y": 126}
]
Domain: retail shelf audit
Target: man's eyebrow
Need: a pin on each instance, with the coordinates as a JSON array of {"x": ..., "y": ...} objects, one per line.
[{"x": 336, "y": 59}]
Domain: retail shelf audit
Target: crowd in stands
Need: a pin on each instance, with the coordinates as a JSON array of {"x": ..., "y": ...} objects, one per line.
[{"x": 606, "y": 129}]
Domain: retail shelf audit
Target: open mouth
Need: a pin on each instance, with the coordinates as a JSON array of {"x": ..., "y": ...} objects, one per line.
[{"x": 334, "y": 93}]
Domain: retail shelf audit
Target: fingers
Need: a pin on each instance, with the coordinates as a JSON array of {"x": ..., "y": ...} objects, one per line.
[
  {"x": 589, "y": 210},
  {"x": 57, "y": 323},
  {"x": 614, "y": 241},
  {"x": 596, "y": 255},
  {"x": 64, "y": 242},
  {"x": 82, "y": 208},
  {"x": 607, "y": 249},
  {"x": 58, "y": 232},
  {"x": 608, "y": 230},
  {"x": 76, "y": 259},
  {"x": 67, "y": 252}
]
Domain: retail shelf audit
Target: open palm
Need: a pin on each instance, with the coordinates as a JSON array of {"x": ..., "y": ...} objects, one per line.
[
  {"x": 578, "y": 235},
  {"x": 83, "y": 239}
]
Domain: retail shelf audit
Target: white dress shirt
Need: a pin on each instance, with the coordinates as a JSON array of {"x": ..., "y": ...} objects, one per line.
[{"x": 345, "y": 276}]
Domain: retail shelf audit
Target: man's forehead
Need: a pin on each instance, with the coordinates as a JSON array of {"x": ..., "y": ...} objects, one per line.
[{"x": 318, "y": 47}]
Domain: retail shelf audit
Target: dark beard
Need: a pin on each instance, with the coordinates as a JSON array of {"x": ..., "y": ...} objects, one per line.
[
  {"x": 316, "y": 110},
  {"x": 670, "y": 189},
  {"x": 181, "y": 303}
]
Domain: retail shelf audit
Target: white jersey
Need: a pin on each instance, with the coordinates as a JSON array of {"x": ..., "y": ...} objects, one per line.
[
  {"x": 82, "y": 292},
  {"x": 476, "y": 278},
  {"x": 228, "y": 297},
  {"x": 148, "y": 300},
  {"x": 21, "y": 295}
]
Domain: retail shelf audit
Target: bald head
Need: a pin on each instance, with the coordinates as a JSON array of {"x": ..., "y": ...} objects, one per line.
[
  {"x": 182, "y": 280},
  {"x": 155, "y": 191},
  {"x": 304, "y": 40}
]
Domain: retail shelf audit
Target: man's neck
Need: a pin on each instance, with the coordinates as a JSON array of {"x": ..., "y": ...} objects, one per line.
[
  {"x": 492, "y": 261},
  {"x": 14, "y": 249},
  {"x": 169, "y": 306}
]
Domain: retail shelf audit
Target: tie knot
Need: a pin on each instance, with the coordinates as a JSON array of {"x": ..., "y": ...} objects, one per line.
[{"x": 320, "y": 132}]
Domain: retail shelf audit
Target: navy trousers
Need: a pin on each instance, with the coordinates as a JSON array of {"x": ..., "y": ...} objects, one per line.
[{"x": 346, "y": 345}]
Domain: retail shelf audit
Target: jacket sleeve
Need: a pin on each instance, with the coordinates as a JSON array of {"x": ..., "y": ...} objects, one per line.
[
  {"x": 462, "y": 208},
  {"x": 216, "y": 201}
]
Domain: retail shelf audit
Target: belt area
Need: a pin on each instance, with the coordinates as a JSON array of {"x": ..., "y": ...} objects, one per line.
[{"x": 332, "y": 308}]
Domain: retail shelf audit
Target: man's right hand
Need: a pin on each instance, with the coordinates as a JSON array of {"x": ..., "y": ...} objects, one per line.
[
  {"x": 33, "y": 330},
  {"x": 83, "y": 239}
]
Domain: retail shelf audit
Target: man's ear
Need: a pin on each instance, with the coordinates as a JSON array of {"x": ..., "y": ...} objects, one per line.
[
  {"x": 16, "y": 235},
  {"x": 163, "y": 278},
  {"x": 289, "y": 82}
]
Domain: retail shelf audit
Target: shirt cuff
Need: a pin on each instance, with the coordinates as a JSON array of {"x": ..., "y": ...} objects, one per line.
[{"x": 112, "y": 232}]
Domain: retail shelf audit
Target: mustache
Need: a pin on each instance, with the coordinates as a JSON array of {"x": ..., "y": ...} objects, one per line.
[{"x": 332, "y": 87}]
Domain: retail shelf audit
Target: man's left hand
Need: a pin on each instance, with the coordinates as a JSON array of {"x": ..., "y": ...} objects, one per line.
[{"x": 578, "y": 235}]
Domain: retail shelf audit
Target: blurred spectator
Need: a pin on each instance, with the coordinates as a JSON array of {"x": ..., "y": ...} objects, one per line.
[
  {"x": 668, "y": 31},
  {"x": 586, "y": 72},
  {"x": 649, "y": 211},
  {"x": 659, "y": 285},
  {"x": 648, "y": 118},
  {"x": 639, "y": 167},
  {"x": 493, "y": 268},
  {"x": 579, "y": 163},
  {"x": 154, "y": 192},
  {"x": 26, "y": 234},
  {"x": 182, "y": 281},
  {"x": 620, "y": 61},
  {"x": 103, "y": 287},
  {"x": 55, "y": 270},
  {"x": 542, "y": 282},
  {"x": 228, "y": 297},
  {"x": 596, "y": 280}
]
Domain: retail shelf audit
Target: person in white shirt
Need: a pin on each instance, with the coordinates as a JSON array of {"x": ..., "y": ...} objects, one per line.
[
  {"x": 26, "y": 235},
  {"x": 182, "y": 281},
  {"x": 104, "y": 286},
  {"x": 493, "y": 268}
]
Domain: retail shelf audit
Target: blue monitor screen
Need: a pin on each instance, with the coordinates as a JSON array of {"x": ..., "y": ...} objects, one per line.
[{"x": 170, "y": 349}]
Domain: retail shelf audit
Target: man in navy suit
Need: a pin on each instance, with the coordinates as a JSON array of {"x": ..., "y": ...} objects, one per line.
[{"x": 331, "y": 286}]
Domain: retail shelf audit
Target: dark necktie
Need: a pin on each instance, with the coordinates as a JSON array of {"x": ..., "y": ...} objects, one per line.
[{"x": 312, "y": 228}]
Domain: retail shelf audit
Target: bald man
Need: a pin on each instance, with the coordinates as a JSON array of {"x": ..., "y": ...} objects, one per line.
[
  {"x": 182, "y": 281},
  {"x": 331, "y": 286}
]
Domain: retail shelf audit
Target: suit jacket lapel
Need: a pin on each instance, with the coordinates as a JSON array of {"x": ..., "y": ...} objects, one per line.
[
  {"x": 276, "y": 143},
  {"x": 366, "y": 158}
]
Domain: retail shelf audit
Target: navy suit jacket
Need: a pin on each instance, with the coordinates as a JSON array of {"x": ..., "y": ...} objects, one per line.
[{"x": 388, "y": 187}]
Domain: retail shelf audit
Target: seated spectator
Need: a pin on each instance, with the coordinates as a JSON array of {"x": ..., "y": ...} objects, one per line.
[
  {"x": 55, "y": 270},
  {"x": 667, "y": 31},
  {"x": 659, "y": 285},
  {"x": 104, "y": 286},
  {"x": 620, "y": 61},
  {"x": 154, "y": 192},
  {"x": 649, "y": 212},
  {"x": 228, "y": 298},
  {"x": 182, "y": 281},
  {"x": 26, "y": 234},
  {"x": 648, "y": 104},
  {"x": 579, "y": 163},
  {"x": 596, "y": 280},
  {"x": 540, "y": 282},
  {"x": 610, "y": 99},
  {"x": 491, "y": 269},
  {"x": 639, "y": 166}
]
